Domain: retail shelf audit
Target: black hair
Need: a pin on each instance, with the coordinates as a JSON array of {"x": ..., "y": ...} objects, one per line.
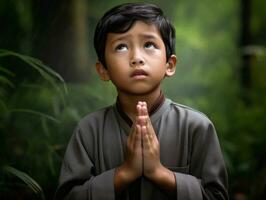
[{"x": 121, "y": 18}]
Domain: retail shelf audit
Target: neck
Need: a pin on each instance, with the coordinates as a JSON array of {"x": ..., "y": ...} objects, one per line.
[{"x": 129, "y": 102}]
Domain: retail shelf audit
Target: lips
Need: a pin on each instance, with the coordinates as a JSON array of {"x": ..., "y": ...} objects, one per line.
[{"x": 139, "y": 72}]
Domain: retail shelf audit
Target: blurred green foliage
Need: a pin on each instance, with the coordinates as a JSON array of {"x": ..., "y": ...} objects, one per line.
[
  {"x": 39, "y": 113},
  {"x": 37, "y": 119}
]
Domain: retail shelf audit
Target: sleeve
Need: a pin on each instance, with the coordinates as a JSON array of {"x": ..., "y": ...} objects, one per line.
[
  {"x": 77, "y": 177},
  {"x": 207, "y": 178}
]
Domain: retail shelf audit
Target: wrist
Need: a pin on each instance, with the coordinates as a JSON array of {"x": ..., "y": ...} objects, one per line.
[
  {"x": 157, "y": 174},
  {"x": 164, "y": 178},
  {"x": 123, "y": 177},
  {"x": 126, "y": 174}
]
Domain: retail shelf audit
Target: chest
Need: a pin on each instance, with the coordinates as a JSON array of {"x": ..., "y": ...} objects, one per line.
[{"x": 174, "y": 140}]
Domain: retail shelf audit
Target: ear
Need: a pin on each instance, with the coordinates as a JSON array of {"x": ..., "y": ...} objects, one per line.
[
  {"x": 102, "y": 71},
  {"x": 171, "y": 66}
]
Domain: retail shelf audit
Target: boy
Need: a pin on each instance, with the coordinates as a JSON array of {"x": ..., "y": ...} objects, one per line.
[{"x": 145, "y": 146}]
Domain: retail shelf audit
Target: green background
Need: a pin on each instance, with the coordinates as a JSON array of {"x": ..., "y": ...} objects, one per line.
[{"x": 221, "y": 72}]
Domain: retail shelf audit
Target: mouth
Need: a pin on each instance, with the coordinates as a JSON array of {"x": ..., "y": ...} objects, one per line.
[{"x": 139, "y": 73}]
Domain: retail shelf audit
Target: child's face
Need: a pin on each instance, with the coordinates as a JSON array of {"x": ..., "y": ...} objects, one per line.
[{"x": 136, "y": 60}]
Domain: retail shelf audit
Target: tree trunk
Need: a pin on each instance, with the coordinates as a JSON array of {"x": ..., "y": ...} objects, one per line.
[
  {"x": 62, "y": 41},
  {"x": 245, "y": 44}
]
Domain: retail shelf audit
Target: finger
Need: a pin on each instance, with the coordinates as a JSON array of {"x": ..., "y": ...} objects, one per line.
[
  {"x": 132, "y": 132},
  {"x": 137, "y": 137},
  {"x": 139, "y": 120},
  {"x": 142, "y": 120},
  {"x": 146, "y": 139},
  {"x": 150, "y": 131},
  {"x": 142, "y": 110},
  {"x": 145, "y": 108},
  {"x": 144, "y": 104},
  {"x": 138, "y": 108}
]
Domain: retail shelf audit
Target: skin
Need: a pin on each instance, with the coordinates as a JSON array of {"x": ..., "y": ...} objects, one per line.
[{"x": 136, "y": 64}]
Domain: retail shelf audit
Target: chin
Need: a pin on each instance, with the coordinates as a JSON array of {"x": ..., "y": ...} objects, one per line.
[{"x": 141, "y": 91}]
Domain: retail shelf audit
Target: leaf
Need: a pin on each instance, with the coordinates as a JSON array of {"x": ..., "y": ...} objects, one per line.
[
  {"x": 30, "y": 182},
  {"x": 46, "y": 72},
  {"x": 6, "y": 81},
  {"x": 2, "y": 92},
  {"x": 36, "y": 113},
  {"x": 3, "y": 105},
  {"x": 6, "y": 71}
]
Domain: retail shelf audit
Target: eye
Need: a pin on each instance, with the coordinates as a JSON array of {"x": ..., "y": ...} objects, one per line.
[
  {"x": 121, "y": 47},
  {"x": 150, "y": 45}
]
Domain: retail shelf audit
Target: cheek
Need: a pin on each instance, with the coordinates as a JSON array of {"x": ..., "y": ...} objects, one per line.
[
  {"x": 159, "y": 61},
  {"x": 159, "y": 56},
  {"x": 116, "y": 60},
  {"x": 117, "y": 68}
]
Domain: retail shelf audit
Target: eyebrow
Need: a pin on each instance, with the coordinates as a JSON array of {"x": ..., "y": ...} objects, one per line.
[
  {"x": 142, "y": 35},
  {"x": 149, "y": 36}
]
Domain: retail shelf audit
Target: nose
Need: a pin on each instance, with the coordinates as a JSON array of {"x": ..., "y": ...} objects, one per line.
[
  {"x": 136, "y": 59},
  {"x": 136, "y": 62}
]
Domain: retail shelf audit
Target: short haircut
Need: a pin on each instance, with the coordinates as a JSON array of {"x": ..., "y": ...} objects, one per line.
[{"x": 121, "y": 18}]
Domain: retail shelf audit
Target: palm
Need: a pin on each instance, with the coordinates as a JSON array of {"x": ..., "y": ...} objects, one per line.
[
  {"x": 134, "y": 151},
  {"x": 150, "y": 149}
]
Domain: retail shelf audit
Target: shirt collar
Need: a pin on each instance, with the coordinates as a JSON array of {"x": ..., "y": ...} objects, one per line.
[{"x": 159, "y": 101}]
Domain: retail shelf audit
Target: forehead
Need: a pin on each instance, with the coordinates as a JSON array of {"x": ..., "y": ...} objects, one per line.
[{"x": 139, "y": 29}]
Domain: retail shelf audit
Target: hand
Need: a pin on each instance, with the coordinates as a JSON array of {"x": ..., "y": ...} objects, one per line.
[
  {"x": 152, "y": 167},
  {"x": 133, "y": 161},
  {"x": 132, "y": 167},
  {"x": 150, "y": 144},
  {"x": 143, "y": 156}
]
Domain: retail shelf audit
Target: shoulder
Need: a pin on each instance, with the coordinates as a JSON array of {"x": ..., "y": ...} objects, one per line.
[
  {"x": 194, "y": 122},
  {"x": 189, "y": 111},
  {"x": 89, "y": 128},
  {"x": 97, "y": 116},
  {"x": 190, "y": 115},
  {"x": 96, "y": 119}
]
